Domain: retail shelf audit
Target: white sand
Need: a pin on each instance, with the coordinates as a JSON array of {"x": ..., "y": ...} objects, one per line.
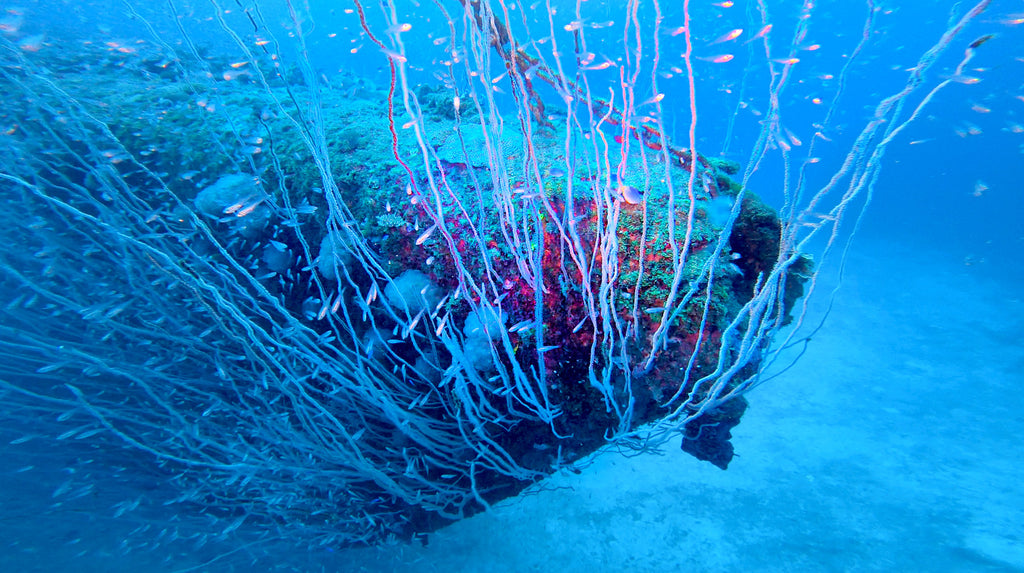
[{"x": 893, "y": 445}]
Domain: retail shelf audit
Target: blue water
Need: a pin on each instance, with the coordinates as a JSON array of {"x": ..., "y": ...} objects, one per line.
[{"x": 890, "y": 443}]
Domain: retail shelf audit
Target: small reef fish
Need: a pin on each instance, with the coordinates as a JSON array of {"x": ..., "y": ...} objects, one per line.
[
  {"x": 719, "y": 59},
  {"x": 760, "y": 33},
  {"x": 979, "y": 188},
  {"x": 630, "y": 194},
  {"x": 398, "y": 28},
  {"x": 732, "y": 35}
]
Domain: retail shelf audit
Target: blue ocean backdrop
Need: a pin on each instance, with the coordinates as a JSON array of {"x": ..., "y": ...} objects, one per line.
[{"x": 396, "y": 285}]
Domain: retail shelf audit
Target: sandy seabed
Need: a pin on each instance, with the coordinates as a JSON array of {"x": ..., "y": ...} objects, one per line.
[{"x": 892, "y": 445}]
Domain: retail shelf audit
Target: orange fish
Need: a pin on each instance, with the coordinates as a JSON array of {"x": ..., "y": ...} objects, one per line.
[
  {"x": 761, "y": 33},
  {"x": 728, "y": 37},
  {"x": 654, "y": 99},
  {"x": 719, "y": 59},
  {"x": 602, "y": 66}
]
